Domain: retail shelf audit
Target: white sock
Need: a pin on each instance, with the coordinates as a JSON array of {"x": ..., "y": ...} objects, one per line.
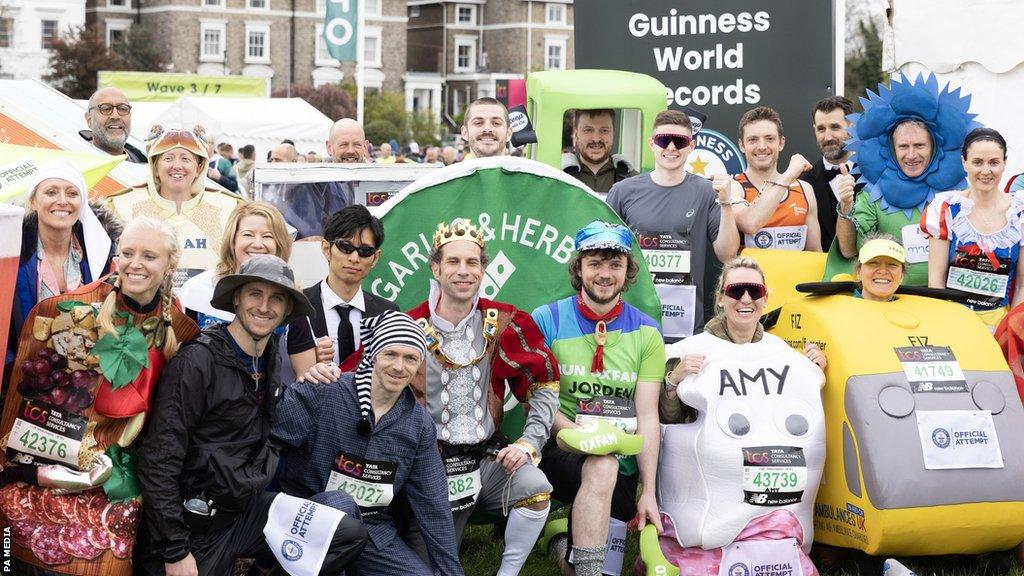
[{"x": 521, "y": 533}]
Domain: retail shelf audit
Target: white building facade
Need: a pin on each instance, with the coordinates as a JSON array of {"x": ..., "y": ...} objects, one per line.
[{"x": 27, "y": 27}]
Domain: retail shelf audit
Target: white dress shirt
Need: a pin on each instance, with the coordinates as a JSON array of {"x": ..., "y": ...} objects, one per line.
[{"x": 357, "y": 306}]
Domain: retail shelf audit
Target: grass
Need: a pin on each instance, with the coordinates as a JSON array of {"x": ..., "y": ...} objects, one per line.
[{"x": 481, "y": 555}]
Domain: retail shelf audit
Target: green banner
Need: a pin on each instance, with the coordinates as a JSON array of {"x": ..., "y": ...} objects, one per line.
[
  {"x": 341, "y": 29},
  {"x": 529, "y": 220},
  {"x": 529, "y": 214},
  {"x": 161, "y": 87}
]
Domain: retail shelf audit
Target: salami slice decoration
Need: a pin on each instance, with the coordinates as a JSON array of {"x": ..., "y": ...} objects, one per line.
[
  {"x": 75, "y": 541},
  {"x": 91, "y": 512},
  {"x": 52, "y": 510},
  {"x": 98, "y": 537},
  {"x": 21, "y": 532},
  {"x": 14, "y": 502},
  {"x": 121, "y": 547},
  {"x": 46, "y": 545},
  {"x": 121, "y": 519},
  {"x": 35, "y": 497}
]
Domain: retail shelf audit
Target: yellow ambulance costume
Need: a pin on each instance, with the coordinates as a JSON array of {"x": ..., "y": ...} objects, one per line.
[
  {"x": 923, "y": 423},
  {"x": 201, "y": 221}
]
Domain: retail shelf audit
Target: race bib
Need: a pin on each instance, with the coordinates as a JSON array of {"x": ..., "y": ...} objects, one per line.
[
  {"x": 678, "y": 308},
  {"x": 761, "y": 558},
  {"x": 779, "y": 238},
  {"x": 987, "y": 284},
  {"x": 914, "y": 243},
  {"x": 370, "y": 483},
  {"x": 620, "y": 412},
  {"x": 774, "y": 475},
  {"x": 45, "y": 434},
  {"x": 957, "y": 439},
  {"x": 931, "y": 369},
  {"x": 299, "y": 533},
  {"x": 668, "y": 260},
  {"x": 463, "y": 473}
]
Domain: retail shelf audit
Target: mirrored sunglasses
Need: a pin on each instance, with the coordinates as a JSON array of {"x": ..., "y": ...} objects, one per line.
[{"x": 680, "y": 140}]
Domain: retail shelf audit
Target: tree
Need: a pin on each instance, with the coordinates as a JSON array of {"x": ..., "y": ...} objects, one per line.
[
  {"x": 423, "y": 129},
  {"x": 140, "y": 51},
  {"x": 383, "y": 106},
  {"x": 76, "y": 58},
  {"x": 330, "y": 99},
  {"x": 864, "y": 67}
]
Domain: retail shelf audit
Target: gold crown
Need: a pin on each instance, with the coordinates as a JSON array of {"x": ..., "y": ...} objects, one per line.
[{"x": 460, "y": 229}]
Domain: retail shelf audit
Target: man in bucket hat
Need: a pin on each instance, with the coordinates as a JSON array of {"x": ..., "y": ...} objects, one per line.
[{"x": 206, "y": 461}]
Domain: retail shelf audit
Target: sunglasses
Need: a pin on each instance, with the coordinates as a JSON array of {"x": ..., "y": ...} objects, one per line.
[
  {"x": 175, "y": 139},
  {"x": 737, "y": 290},
  {"x": 348, "y": 248},
  {"x": 680, "y": 140},
  {"x": 108, "y": 109}
]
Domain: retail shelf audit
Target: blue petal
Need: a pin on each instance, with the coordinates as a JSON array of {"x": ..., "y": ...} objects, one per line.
[
  {"x": 948, "y": 174},
  {"x": 915, "y": 101},
  {"x": 953, "y": 127},
  {"x": 902, "y": 193},
  {"x": 875, "y": 122},
  {"x": 870, "y": 159}
]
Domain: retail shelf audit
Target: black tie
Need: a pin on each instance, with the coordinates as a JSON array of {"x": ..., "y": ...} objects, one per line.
[
  {"x": 346, "y": 342},
  {"x": 831, "y": 173}
]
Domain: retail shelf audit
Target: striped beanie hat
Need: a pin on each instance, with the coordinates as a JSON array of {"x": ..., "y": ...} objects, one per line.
[{"x": 377, "y": 333}]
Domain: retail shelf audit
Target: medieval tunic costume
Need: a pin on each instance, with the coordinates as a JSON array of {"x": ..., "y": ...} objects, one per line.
[{"x": 462, "y": 384}]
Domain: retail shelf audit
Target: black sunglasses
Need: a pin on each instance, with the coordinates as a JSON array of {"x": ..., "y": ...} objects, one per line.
[
  {"x": 736, "y": 291},
  {"x": 347, "y": 247},
  {"x": 680, "y": 140}
]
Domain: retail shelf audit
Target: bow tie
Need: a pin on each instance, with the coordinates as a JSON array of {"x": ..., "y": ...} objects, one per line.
[{"x": 831, "y": 173}]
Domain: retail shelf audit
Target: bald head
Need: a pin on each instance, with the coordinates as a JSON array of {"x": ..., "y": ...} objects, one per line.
[
  {"x": 448, "y": 154},
  {"x": 109, "y": 130},
  {"x": 284, "y": 153},
  {"x": 347, "y": 142}
]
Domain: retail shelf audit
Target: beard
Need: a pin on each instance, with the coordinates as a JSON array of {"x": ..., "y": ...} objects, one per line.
[
  {"x": 833, "y": 150},
  {"x": 588, "y": 154},
  {"x": 599, "y": 300}
]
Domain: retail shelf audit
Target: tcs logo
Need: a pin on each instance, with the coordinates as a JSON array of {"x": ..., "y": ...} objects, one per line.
[
  {"x": 589, "y": 407},
  {"x": 649, "y": 241},
  {"x": 751, "y": 457},
  {"x": 33, "y": 413},
  {"x": 349, "y": 466}
]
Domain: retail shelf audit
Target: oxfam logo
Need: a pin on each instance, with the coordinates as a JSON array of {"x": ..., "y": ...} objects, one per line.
[
  {"x": 940, "y": 436},
  {"x": 291, "y": 550}
]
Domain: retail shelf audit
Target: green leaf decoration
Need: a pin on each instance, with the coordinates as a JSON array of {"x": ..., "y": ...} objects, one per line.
[
  {"x": 121, "y": 359},
  {"x": 69, "y": 305}
]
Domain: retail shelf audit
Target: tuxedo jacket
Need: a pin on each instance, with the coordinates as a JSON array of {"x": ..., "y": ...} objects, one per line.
[
  {"x": 827, "y": 201},
  {"x": 374, "y": 305}
]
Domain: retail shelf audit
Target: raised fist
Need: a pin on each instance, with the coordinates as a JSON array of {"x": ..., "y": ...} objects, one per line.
[
  {"x": 797, "y": 166},
  {"x": 722, "y": 184}
]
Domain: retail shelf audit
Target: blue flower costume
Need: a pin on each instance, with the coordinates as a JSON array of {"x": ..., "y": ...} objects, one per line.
[{"x": 892, "y": 202}]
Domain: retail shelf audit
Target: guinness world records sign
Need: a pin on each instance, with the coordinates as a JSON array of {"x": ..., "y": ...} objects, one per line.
[{"x": 529, "y": 214}]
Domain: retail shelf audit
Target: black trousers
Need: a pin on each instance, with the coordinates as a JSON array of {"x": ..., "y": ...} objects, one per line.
[{"x": 215, "y": 551}]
